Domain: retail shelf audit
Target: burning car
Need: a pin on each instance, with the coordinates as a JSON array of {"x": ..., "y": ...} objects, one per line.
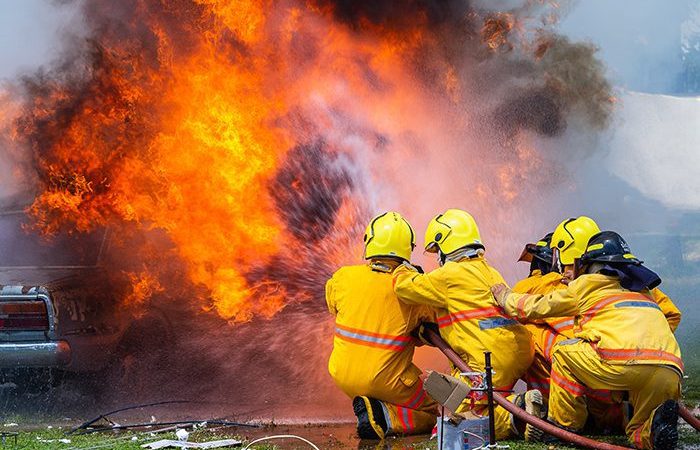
[{"x": 56, "y": 307}]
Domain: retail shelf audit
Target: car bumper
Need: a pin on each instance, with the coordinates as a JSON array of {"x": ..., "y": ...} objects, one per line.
[{"x": 34, "y": 354}]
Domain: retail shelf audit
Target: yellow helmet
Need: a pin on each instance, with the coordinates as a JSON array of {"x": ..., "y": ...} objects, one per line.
[
  {"x": 389, "y": 234},
  {"x": 451, "y": 231},
  {"x": 571, "y": 238}
]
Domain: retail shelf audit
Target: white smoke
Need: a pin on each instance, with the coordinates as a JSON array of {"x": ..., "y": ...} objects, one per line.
[{"x": 655, "y": 147}]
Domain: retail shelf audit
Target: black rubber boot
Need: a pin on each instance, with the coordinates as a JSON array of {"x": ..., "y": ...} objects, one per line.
[
  {"x": 664, "y": 426},
  {"x": 371, "y": 423}
]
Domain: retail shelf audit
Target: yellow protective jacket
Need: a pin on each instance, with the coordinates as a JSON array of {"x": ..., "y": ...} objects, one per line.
[
  {"x": 537, "y": 283},
  {"x": 372, "y": 347},
  {"x": 623, "y": 326},
  {"x": 468, "y": 317}
]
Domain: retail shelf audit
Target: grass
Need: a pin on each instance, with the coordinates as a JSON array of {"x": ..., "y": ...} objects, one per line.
[{"x": 49, "y": 439}]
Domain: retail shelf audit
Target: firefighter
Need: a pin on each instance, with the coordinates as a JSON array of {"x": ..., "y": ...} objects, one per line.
[
  {"x": 373, "y": 348},
  {"x": 605, "y": 408},
  {"x": 468, "y": 317},
  {"x": 623, "y": 341},
  {"x": 542, "y": 280}
]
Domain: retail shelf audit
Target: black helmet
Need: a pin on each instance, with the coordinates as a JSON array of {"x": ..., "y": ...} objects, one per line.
[
  {"x": 539, "y": 255},
  {"x": 608, "y": 247}
]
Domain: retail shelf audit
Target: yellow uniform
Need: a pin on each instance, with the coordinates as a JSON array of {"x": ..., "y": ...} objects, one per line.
[
  {"x": 545, "y": 333},
  {"x": 671, "y": 312},
  {"x": 604, "y": 407},
  {"x": 471, "y": 322},
  {"x": 373, "y": 349},
  {"x": 623, "y": 343}
]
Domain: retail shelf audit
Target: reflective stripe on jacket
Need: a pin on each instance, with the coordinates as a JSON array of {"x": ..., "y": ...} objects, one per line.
[{"x": 625, "y": 327}]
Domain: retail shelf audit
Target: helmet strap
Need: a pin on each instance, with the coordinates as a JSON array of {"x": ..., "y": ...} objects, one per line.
[
  {"x": 441, "y": 257},
  {"x": 556, "y": 262}
]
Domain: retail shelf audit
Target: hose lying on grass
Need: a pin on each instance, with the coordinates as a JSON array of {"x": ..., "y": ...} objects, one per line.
[
  {"x": 435, "y": 339},
  {"x": 689, "y": 417}
]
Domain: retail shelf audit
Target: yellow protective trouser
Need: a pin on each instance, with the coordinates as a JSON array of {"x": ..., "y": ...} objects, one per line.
[
  {"x": 407, "y": 408},
  {"x": 537, "y": 375},
  {"x": 410, "y": 411},
  {"x": 576, "y": 366},
  {"x": 503, "y": 421},
  {"x": 604, "y": 407}
]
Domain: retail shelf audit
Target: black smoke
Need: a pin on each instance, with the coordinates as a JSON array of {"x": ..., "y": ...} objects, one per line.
[{"x": 308, "y": 190}]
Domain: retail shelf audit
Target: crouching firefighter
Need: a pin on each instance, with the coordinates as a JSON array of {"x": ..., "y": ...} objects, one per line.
[
  {"x": 623, "y": 342},
  {"x": 543, "y": 279},
  {"x": 468, "y": 317},
  {"x": 373, "y": 348}
]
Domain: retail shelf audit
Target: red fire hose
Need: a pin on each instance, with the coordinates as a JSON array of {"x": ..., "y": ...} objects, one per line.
[
  {"x": 435, "y": 339},
  {"x": 689, "y": 417}
]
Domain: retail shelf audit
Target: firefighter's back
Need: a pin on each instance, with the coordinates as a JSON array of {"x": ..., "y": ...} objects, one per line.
[
  {"x": 475, "y": 324},
  {"x": 625, "y": 327},
  {"x": 372, "y": 345}
]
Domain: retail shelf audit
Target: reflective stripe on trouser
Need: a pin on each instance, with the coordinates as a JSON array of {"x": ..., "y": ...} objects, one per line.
[
  {"x": 415, "y": 416},
  {"x": 537, "y": 375},
  {"x": 577, "y": 366}
]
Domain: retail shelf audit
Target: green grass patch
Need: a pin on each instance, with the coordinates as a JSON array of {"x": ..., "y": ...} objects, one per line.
[{"x": 50, "y": 439}]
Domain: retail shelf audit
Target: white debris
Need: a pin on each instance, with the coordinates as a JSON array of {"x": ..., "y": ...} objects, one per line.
[
  {"x": 48, "y": 441},
  {"x": 11, "y": 424},
  {"x": 168, "y": 443},
  {"x": 182, "y": 435}
]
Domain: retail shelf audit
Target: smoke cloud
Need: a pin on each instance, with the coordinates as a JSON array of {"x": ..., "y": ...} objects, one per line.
[{"x": 236, "y": 151}]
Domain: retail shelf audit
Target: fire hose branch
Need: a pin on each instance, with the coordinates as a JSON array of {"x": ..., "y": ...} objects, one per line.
[{"x": 435, "y": 339}]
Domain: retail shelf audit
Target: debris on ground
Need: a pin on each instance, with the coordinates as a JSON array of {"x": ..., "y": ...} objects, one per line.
[
  {"x": 182, "y": 435},
  {"x": 169, "y": 443}
]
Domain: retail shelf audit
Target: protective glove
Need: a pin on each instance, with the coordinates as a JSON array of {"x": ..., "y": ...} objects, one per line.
[
  {"x": 419, "y": 332},
  {"x": 500, "y": 293}
]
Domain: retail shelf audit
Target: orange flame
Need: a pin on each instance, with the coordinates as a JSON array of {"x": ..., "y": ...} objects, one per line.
[
  {"x": 495, "y": 30},
  {"x": 186, "y": 128}
]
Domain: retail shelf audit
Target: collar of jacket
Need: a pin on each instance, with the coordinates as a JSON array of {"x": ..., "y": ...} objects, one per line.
[{"x": 384, "y": 265}]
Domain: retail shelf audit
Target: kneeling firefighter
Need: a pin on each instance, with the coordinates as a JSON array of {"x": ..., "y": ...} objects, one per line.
[
  {"x": 543, "y": 279},
  {"x": 605, "y": 408},
  {"x": 606, "y": 412},
  {"x": 373, "y": 347},
  {"x": 468, "y": 317},
  {"x": 623, "y": 342}
]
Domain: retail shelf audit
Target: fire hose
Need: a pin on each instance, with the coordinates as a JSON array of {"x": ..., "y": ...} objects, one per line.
[
  {"x": 689, "y": 417},
  {"x": 551, "y": 429}
]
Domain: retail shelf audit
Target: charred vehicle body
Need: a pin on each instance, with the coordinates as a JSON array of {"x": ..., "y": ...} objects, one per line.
[{"x": 57, "y": 310}]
